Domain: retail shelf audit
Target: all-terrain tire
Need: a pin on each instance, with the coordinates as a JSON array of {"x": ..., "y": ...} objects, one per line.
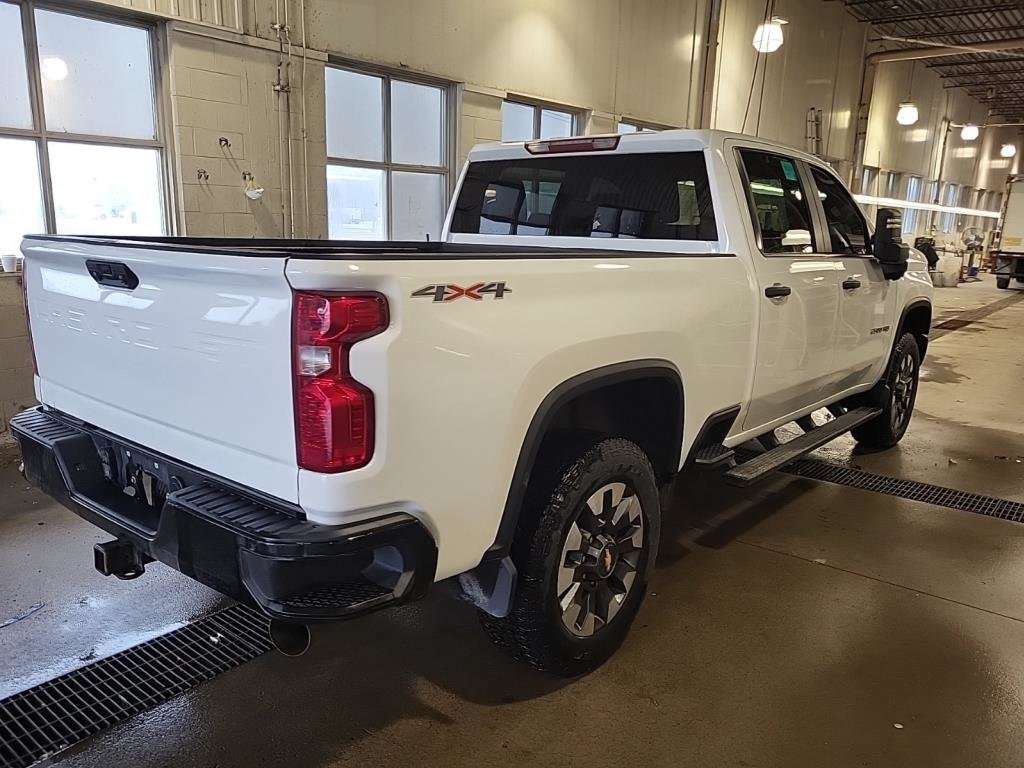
[
  {"x": 539, "y": 629},
  {"x": 901, "y": 377}
]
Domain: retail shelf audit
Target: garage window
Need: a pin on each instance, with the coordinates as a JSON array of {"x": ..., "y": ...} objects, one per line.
[
  {"x": 79, "y": 128},
  {"x": 388, "y": 157},
  {"x": 639, "y": 126},
  {"x": 522, "y": 121}
]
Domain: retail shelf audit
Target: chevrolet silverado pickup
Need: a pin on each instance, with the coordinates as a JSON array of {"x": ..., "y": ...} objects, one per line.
[{"x": 321, "y": 429}]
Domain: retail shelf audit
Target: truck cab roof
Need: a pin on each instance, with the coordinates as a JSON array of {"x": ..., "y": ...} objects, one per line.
[{"x": 675, "y": 140}]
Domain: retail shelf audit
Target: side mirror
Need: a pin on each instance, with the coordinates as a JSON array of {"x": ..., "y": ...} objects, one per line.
[{"x": 889, "y": 249}]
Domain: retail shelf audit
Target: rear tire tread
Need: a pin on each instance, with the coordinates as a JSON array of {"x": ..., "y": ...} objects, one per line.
[{"x": 528, "y": 632}]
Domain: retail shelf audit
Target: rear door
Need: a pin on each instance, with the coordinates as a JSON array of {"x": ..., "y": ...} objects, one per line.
[
  {"x": 186, "y": 353},
  {"x": 867, "y": 301},
  {"x": 796, "y": 288}
]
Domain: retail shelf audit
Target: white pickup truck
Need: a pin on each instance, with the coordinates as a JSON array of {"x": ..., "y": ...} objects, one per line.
[{"x": 321, "y": 429}]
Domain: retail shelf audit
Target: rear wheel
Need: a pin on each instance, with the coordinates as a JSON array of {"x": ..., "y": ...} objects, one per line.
[
  {"x": 1002, "y": 282},
  {"x": 888, "y": 427},
  {"x": 584, "y": 555}
]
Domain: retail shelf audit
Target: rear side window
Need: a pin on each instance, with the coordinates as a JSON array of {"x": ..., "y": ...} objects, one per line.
[
  {"x": 662, "y": 196},
  {"x": 779, "y": 203},
  {"x": 847, "y": 229}
]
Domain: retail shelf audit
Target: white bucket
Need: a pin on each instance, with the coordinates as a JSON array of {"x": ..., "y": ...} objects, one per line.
[
  {"x": 9, "y": 262},
  {"x": 947, "y": 272}
]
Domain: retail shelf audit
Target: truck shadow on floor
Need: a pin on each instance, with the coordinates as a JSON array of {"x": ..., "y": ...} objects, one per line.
[{"x": 706, "y": 511}]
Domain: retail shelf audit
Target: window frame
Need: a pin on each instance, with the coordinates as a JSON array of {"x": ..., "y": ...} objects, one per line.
[
  {"x": 911, "y": 216},
  {"x": 478, "y": 183},
  {"x": 41, "y": 136},
  {"x": 806, "y": 181},
  {"x": 822, "y": 216},
  {"x": 449, "y": 105},
  {"x": 642, "y": 126},
  {"x": 576, "y": 115}
]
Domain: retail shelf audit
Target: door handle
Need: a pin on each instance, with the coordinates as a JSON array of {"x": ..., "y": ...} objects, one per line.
[
  {"x": 850, "y": 284},
  {"x": 777, "y": 291}
]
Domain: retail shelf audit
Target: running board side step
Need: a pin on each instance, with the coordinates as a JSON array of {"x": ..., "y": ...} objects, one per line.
[{"x": 765, "y": 463}]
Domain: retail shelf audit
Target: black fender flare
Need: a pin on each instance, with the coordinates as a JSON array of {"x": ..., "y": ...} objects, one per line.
[
  {"x": 491, "y": 584},
  {"x": 568, "y": 390},
  {"x": 914, "y": 304}
]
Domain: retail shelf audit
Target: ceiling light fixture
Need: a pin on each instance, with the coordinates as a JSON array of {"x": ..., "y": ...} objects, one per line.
[
  {"x": 768, "y": 37},
  {"x": 1008, "y": 150},
  {"x": 907, "y": 113},
  {"x": 969, "y": 132}
]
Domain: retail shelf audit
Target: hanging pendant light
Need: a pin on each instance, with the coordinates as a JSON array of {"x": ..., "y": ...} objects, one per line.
[
  {"x": 970, "y": 132},
  {"x": 907, "y": 113},
  {"x": 768, "y": 37}
]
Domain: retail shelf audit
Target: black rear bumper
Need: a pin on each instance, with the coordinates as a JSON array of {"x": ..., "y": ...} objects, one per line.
[{"x": 254, "y": 549}]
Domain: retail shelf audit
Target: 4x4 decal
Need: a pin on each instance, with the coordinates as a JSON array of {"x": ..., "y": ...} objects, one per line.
[{"x": 450, "y": 291}]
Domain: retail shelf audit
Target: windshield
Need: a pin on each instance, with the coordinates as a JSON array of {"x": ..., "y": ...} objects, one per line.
[{"x": 653, "y": 196}]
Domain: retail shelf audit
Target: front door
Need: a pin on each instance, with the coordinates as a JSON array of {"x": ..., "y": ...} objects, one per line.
[
  {"x": 867, "y": 301},
  {"x": 797, "y": 290}
]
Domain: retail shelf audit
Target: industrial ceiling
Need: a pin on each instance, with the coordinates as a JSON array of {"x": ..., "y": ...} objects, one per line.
[{"x": 983, "y": 42}]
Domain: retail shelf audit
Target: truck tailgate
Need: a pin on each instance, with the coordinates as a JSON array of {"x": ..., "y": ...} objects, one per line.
[{"x": 193, "y": 362}]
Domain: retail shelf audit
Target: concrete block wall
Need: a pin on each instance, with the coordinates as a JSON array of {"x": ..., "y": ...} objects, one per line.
[
  {"x": 16, "y": 392},
  {"x": 224, "y": 89}
]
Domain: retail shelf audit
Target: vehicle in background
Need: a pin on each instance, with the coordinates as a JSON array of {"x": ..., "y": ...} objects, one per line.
[{"x": 1008, "y": 253}]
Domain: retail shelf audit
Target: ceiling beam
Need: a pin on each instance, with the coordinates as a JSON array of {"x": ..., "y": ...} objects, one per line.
[
  {"x": 941, "y": 13},
  {"x": 1015, "y": 71},
  {"x": 997, "y": 60},
  {"x": 1015, "y": 28},
  {"x": 985, "y": 83}
]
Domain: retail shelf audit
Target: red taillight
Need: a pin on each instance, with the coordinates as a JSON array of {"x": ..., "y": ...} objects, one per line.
[{"x": 334, "y": 415}]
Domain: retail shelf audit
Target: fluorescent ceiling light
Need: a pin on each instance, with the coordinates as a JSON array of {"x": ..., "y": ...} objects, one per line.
[{"x": 892, "y": 202}]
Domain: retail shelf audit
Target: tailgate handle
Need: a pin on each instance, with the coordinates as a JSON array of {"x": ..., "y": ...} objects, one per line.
[{"x": 112, "y": 273}]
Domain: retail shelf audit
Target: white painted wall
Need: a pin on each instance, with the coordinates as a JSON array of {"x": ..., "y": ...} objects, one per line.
[
  {"x": 819, "y": 65},
  {"x": 629, "y": 57},
  {"x": 917, "y": 149}
]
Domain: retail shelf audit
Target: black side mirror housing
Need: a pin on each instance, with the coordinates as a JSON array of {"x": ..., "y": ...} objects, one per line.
[{"x": 889, "y": 249}]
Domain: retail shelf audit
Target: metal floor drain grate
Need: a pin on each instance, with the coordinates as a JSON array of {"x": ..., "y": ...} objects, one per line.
[
  {"x": 54, "y": 715},
  {"x": 950, "y": 498}
]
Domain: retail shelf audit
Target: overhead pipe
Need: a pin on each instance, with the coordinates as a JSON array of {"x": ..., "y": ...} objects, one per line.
[{"x": 938, "y": 51}]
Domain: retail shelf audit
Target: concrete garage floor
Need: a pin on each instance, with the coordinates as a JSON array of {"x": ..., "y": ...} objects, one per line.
[{"x": 800, "y": 623}]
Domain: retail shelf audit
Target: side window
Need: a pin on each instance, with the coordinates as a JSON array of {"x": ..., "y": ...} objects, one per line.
[
  {"x": 779, "y": 203},
  {"x": 847, "y": 230}
]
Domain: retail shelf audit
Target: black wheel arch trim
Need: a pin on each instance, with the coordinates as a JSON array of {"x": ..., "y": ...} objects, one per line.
[
  {"x": 922, "y": 302},
  {"x": 568, "y": 390}
]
